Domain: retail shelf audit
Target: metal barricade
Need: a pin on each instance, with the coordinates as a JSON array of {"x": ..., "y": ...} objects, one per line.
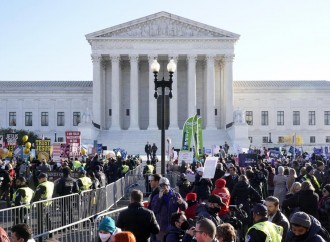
[
  {"x": 92, "y": 202},
  {"x": 14, "y": 215},
  {"x": 81, "y": 231},
  {"x": 119, "y": 189},
  {"x": 113, "y": 214},
  {"x": 110, "y": 190},
  {"x": 53, "y": 213}
]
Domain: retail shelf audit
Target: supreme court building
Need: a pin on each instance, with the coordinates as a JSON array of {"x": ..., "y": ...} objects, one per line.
[{"x": 118, "y": 108}]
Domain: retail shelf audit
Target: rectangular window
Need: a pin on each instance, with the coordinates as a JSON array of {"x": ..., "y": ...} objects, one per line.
[
  {"x": 327, "y": 139},
  {"x": 326, "y": 117},
  {"x": 311, "y": 118},
  {"x": 60, "y": 139},
  {"x": 249, "y": 117},
  {"x": 280, "y": 118},
  {"x": 28, "y": 118},
  {"x": 265, "y": 139},
  {"x": 60, "y": 119},
  {"x": 76, "y": 118},
  {"x": 109, "y": 112},
  {"x": 280, "y": 139},
  {"x": 198, "y": 111},
  {"x": 215, "y": 112},
  {"x": 127, "y": 112},
  {"x": 44, "y": 118},
  {"x": 264, "y": 118},
  {"x": 12, "y": 118},
  {"x": 312, "y": 139},
  {"x": 296, "y": 117}
]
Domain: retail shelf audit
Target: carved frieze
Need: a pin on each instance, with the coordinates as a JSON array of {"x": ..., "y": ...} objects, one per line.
[{"x": 163, "y": 27}]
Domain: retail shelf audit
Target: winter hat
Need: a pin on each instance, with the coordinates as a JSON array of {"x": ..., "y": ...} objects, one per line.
[
  {"x": 107, "y": 224},
  {"x": 164, "y": 181},
  {"x": 191, "y": 196},
  {"x": 260, "y": 209},
  {"x": 309, "y": 168},
  {"x": 220, "y": 183},
  {"x": 302, "y": 219}
]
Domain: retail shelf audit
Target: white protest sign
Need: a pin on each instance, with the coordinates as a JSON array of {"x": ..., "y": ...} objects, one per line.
[
  {"x": 187, "y": 156},
  {"x": 209, "y": 167}
]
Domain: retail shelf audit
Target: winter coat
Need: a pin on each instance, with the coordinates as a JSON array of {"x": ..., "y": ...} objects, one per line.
[
  {"x": 203, "y": 211},
  {"x": 203, "y": 188},
  {"x": 223, "y": 192},
  {"x": 312, "y": 233},
  {"x": 281, "y": 220},
  {"x": 324, "y": 212},
  {"x": 139, "y": 220},
  {"x": 190, "y": 212},
  {"x": 184, "y": 187},
  {"x": 173, "y": 234},
  {"x": 231, "y": 182},
  {"x": 164, "y": 211},
  {"x": 306, "y": 200},
  {"x": 280, "y": 189}
]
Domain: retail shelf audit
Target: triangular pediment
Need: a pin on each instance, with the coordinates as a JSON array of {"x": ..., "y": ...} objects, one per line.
[{"x": 162, "y": 25}]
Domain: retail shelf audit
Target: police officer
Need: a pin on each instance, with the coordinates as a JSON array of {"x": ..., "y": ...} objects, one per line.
[
  {"x": 148, "y": 171},
  {"x": 22, "y": 196},
  {"x": 84, "y": 182},
  {"x": 263, "y": 230},
  {"x": 44, "y": 191}
]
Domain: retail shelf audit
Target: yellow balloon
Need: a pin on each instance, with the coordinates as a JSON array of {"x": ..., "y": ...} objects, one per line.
[
  {"x": 26, "y": 151},
  {"x": 83, "y": 151},
  {"x": 28, "y": 145},
  {"x": 25, "y": 138},
  {"x": 10, "y": 154}
]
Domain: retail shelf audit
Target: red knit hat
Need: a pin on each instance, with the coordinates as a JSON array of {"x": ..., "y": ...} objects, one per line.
[{"x": 191, "y": 196}]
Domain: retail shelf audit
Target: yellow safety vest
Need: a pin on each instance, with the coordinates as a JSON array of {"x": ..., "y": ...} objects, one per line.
[
  {"x": 86, "y": 183},
  {"x": 150, "y": 169},
  {"x": 28, "y": 196},
  {"x": 48, "y": 192},
  {"x": 76, "y": 164},
  {"x": 314, "y": 179},
  {"x": 273, "y": 232},
  {"x": 125, "y": 168}
]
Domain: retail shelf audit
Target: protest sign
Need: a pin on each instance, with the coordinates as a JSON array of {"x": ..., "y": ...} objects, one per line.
[{"x": 209, "y": 167}]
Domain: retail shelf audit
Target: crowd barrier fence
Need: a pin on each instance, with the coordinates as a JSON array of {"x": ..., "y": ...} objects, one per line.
[{"x": 57, "y": 212}]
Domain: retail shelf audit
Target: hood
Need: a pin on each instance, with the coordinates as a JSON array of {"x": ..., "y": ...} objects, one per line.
[
  {"x": 220, "y": 183},
  {"x": 315, "y": 227}
]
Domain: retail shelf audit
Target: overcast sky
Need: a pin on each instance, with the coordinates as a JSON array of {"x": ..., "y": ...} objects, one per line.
[{"x": 280, "y": 40}]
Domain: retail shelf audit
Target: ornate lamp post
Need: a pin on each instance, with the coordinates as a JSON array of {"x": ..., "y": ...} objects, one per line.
[{"x": 171, "y": 68}]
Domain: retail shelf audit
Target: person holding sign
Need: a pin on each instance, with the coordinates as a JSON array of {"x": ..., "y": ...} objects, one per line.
[{"x": 202, "y": 186}]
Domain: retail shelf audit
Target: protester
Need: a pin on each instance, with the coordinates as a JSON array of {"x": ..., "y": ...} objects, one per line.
[
  {"x": 232, "y": 179},
  {"x": 211, "y": 209},
  {"x": 324, "y": 208},
  {"x": 191, "y": 199},
  {"x": 280, "y": 184},
  {"x": 21, "y": 233},
  {"x": 306, "y": 200},
  {"x": 223, "y": 192},
  {"x": 177, "y": 228},
  {"x": 270, "y": 180},
  {"x": 84, "y": 182},
  {"x": 124, "y": 236},
  {"x": 226, "y": 233},
  {"x": 205, "y": 231},
  {"x": 167, "y": 202},
  {"x": 202, "y": 186},
  {"x": 304, "y": 228},
  {"x": 107, "y": 229},
  {"x": 137, "y": 219},
  {"x": 275, "y": 216}
]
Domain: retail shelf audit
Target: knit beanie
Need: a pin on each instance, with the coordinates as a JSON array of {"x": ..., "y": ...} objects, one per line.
[
  {"x": 107, "y": 224},
  {"x": 191, "y": 196},
  {"x": 302, "y": 219}
]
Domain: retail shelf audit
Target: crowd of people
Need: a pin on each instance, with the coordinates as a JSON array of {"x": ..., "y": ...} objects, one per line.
[{"x": 285, "y": 200}]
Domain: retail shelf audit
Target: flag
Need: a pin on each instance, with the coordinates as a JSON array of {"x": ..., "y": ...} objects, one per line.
[{"x": 318, "y": 151}]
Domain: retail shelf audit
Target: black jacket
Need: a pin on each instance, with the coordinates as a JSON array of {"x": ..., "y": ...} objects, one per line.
[
  {"x": 66, "y": 186},
  {"x": 306, "y": 200},
  {"x": 139, "y": 220},
  {"x": 281, "y": 220}
]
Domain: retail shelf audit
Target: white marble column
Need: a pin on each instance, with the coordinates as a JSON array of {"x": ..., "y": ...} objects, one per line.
[
  {"x": 97, "y": 94},
  {"x": 152, "y": 100},
  {"x": 174, "y": 100},
  {"x": 134, "y": 93},
  {"x": 228, "y": 83},
  {"x": 191, "y": 85},
  {"x": 115, "y": 92},
  {"x": 210, "y": 97}
]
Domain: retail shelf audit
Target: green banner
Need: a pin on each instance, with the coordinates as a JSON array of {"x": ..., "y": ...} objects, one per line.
[
  {"x": 187, "y": 134},
  {"x": 195, "y": 134},
  {"x": 200, "y": 136}
]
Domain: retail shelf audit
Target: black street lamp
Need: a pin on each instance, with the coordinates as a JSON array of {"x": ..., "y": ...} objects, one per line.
[{"x": 171, "y": 67}]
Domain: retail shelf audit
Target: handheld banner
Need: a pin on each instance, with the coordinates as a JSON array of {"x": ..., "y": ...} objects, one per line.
[{"x": 209, "y": 167}]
